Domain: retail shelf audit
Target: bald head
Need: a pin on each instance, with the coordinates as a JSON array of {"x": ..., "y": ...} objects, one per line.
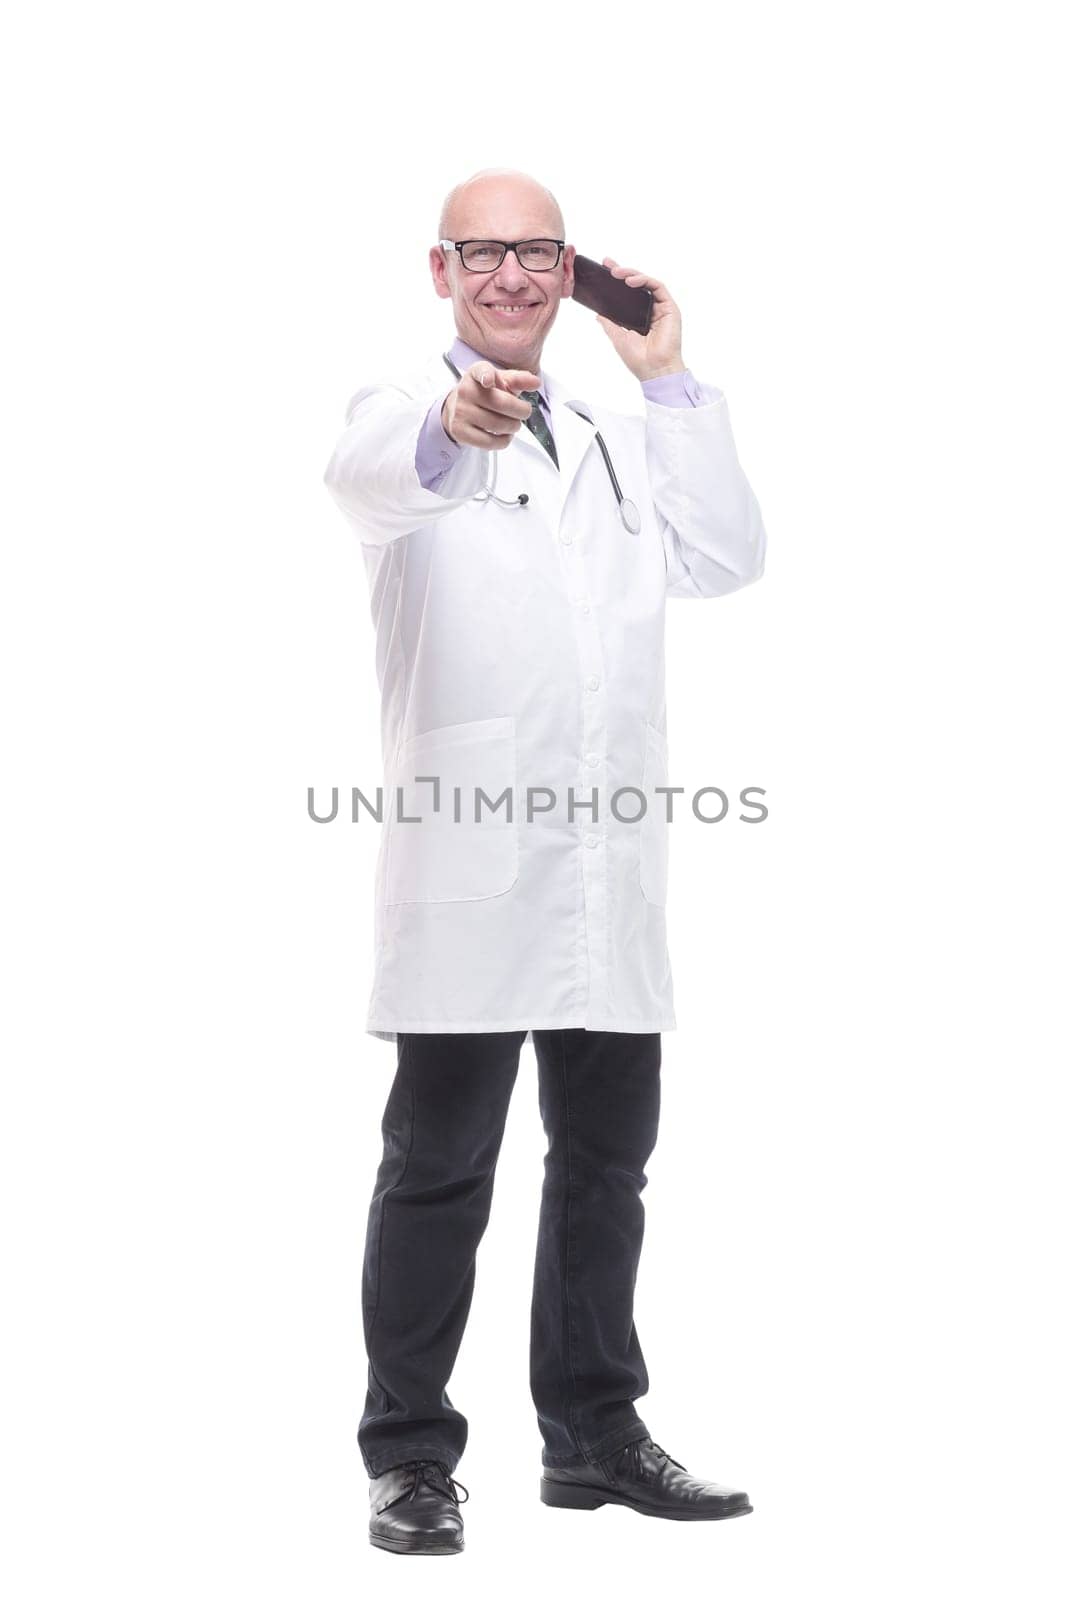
[{"x": 468, "y": 206}]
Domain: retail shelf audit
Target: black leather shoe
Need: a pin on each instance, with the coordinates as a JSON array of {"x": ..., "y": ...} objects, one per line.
[
  {"x": 415, "y": 1510},
  {"x": 645, "y": 1478}
]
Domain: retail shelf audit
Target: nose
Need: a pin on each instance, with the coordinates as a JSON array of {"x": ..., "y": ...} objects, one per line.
[{"x": 511, "y": 276}]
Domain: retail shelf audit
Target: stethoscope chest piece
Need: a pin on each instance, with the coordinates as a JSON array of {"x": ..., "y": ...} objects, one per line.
[{"x": 631, "y": 517}]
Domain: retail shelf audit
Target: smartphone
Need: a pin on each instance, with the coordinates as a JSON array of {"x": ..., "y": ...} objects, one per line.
[{"x": 614, "y": 298}]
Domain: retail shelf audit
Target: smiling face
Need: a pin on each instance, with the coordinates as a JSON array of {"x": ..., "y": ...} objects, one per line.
[{"x": 506, "y": 314}]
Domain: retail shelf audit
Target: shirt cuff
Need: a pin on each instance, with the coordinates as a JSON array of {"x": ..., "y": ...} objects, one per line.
[
  {"x": 676, "y": 389},
  {"x": 435, "y": 452}
]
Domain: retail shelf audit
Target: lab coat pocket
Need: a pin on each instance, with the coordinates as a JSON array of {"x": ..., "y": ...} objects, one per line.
[
  {"x": 653, "y": 841},
  {"x": 460, "y": 848}
]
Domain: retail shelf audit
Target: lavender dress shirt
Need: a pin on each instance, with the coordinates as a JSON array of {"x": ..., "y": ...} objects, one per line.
[{"x": 435, "y": 452}]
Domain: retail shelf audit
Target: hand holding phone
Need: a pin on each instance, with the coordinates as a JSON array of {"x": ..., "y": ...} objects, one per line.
[
  {"x": 599, "y": 290},
  {"x": 652, "y": 348}
]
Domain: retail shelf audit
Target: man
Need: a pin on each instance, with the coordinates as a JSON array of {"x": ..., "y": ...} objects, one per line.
[{"x": 520, "y": 628}]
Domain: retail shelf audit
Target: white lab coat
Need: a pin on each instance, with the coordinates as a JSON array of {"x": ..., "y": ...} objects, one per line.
[{"x": 523, "y": 649}]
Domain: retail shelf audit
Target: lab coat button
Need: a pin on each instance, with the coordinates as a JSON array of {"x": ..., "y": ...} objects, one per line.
[
  {"x": 592, "y": 682},
  {"x": 592, "y": 760},
  {"x": 591, "y": 841},
  {"x": 565, "y": 537}
]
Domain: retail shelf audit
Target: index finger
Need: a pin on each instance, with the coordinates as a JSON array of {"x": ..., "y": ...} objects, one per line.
[
  {"x": 499, "y": 388},
  {"x": 515, "y": 378},
  {"x": 508, "y": 379}
]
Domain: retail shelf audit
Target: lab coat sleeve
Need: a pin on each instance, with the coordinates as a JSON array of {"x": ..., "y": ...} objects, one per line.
[
  {"x": 709, "y": 519},
  {"x": 372, "y": 474}
]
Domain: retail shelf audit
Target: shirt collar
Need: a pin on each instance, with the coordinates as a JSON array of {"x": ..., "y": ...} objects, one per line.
[{"x": 465, "y": 356}]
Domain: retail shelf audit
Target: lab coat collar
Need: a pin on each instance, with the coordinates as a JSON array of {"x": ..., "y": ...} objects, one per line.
[{"x": 573, "y": 436}]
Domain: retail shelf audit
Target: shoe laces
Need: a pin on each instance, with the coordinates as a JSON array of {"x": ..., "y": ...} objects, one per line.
[
  {"x": 632, "y": 1453},
  {"x": 435, "y": 1476}
]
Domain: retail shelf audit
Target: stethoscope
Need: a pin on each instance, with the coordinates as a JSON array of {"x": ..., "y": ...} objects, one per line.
[{"x": 631, "y": 517}]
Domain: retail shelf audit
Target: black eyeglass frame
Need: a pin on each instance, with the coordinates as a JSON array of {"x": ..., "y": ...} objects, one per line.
[{"x": 457, "y": 246}]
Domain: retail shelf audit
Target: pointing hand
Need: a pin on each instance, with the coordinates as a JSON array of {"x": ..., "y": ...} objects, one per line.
[{"x": 484, "y": 408}]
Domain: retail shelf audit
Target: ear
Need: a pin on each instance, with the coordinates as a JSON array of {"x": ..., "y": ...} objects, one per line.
[
  {"x": 569, "y": 253},
  {"x": 439, "y": 272}
]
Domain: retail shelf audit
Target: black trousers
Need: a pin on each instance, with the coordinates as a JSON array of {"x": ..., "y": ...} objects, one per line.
[{"x": 444, "y": 1119}]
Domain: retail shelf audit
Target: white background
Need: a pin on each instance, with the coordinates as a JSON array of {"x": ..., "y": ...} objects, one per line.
[{"x": 849, "y": 1297}]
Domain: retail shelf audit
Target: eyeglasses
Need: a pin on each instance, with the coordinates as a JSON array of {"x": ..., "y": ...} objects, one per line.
[{"x": 485, "y": 255}]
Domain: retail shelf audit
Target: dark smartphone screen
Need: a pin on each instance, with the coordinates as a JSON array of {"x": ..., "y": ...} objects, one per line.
[{"x": 598, "y": 290}]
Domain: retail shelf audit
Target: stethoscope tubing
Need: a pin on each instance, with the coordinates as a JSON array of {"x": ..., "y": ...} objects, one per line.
[{"x": 631, "y": 517}]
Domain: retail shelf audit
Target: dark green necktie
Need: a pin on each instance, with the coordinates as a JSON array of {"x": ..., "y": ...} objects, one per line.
[{"x": 537, "y": 424}]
